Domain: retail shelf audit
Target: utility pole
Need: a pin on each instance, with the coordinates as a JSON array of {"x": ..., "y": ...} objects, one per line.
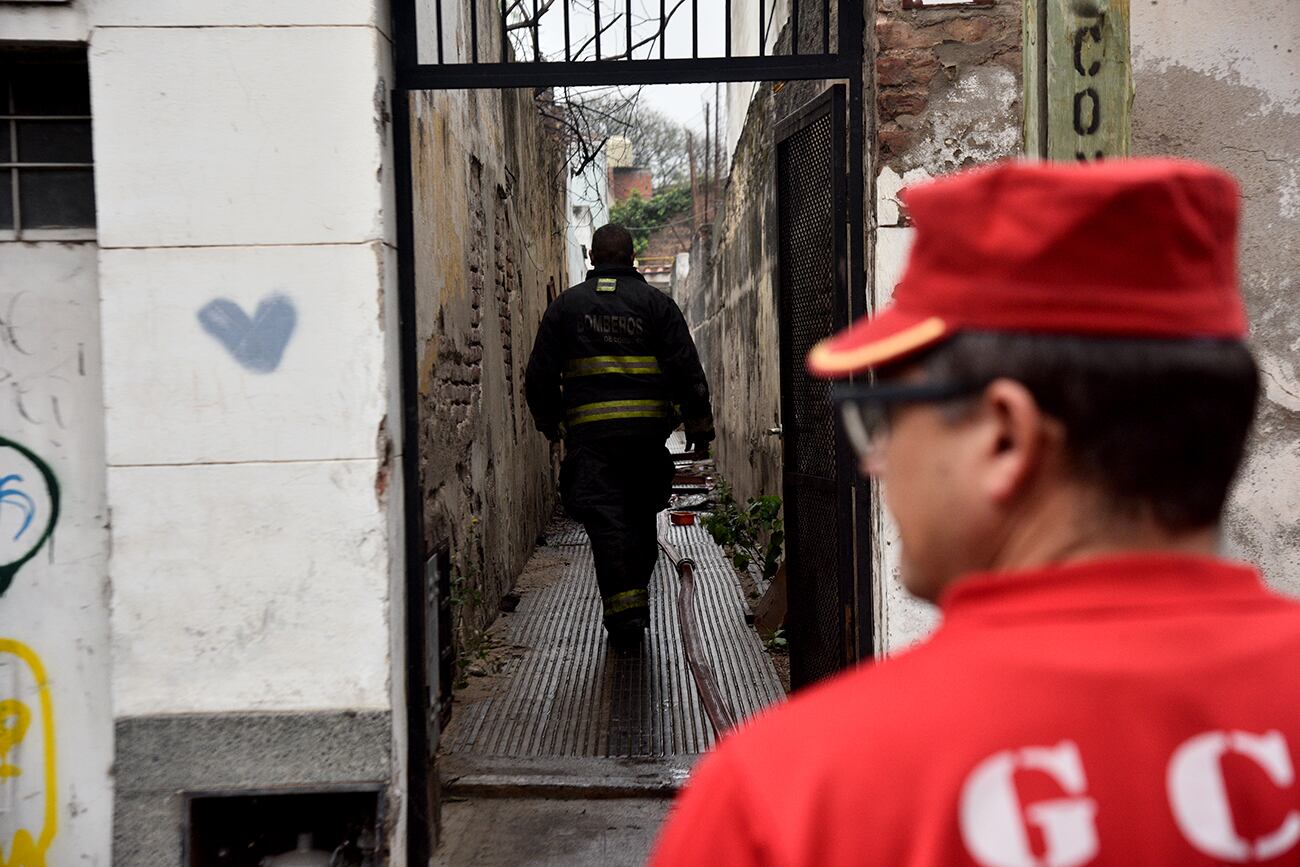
[
  {"x": 708, "y": 158},
  {"x": 695, "y": 210},
  {"x": 1078, "y": 79},
  {"x": 719, "y": 158}
]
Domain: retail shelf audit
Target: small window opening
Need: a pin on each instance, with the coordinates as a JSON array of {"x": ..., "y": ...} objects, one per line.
[
  {"x": 242, "y": 830},
  {"x": 47, "y": 176}
]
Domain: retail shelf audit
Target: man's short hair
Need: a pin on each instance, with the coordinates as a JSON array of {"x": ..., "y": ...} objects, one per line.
[
  {"x": 612, "y": 245},
  {"x": 1158, "y": 426}
]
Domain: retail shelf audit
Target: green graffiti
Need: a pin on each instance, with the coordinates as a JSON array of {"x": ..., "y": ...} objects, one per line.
[{"x": 29, "y": 508}]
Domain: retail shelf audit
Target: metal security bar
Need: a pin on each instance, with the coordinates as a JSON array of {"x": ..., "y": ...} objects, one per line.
[
  {"x": 46, "y": 165},
  {"x": 527, "y": 43}
]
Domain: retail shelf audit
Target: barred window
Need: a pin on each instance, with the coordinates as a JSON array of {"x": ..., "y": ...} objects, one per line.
[{"x": 46, "y": 164}]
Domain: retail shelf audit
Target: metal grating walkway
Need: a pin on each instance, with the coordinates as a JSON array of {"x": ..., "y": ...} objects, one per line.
[{"x": 567, "y": 693}]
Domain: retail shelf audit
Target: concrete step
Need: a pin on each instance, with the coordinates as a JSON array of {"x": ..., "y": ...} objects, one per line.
[{"x": 562, "y": 778}]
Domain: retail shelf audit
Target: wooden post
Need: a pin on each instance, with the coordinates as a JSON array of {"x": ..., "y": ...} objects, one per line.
[{"x": 1078, "y": 79}]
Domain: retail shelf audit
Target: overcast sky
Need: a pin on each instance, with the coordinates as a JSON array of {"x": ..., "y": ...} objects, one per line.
[{"x": 682, "y": 102}]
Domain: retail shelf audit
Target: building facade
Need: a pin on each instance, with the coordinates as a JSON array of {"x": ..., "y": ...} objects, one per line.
[
  {"x": 199, "y": 319},
  {"x": 947, "y": 83},
  {"x": 201, "y": 515}
]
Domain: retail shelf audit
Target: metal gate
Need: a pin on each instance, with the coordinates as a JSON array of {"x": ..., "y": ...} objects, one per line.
[
  {"x": 456, "y": 44},
  {"x": 813, "y": 300}
]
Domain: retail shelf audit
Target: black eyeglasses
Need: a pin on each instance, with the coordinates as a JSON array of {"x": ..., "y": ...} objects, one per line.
[{"x": 864, "y": 409}]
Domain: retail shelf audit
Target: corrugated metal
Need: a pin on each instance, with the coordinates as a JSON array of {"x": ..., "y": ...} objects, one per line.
[{"x": 570, "y": 694}]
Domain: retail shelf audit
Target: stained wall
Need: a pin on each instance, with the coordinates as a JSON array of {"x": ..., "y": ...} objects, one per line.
[
  {"x": 490, "y": 255},
  {"x": 1229, "y": 94}
]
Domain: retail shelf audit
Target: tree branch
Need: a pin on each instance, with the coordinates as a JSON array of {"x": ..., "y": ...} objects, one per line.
[
  {"x": 663, "y": 26},
  {"x": 528, "y": 23}
]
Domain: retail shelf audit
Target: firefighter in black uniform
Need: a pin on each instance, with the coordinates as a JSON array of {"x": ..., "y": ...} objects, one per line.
[{"x": 612, "y": 373}]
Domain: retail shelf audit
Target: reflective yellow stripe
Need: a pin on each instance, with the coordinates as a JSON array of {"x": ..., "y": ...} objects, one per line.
[
  {"x": 606, "y": 284},
  {"x": 625, "y": 600},
  {"x": 610, "y": 410},
  {"x": 598, "y": 364}
]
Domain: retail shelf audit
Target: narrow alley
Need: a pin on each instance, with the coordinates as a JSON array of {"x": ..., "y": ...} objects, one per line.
[
  {"x": 285, "y": 572},
  {"x": 566, "y": 750}
]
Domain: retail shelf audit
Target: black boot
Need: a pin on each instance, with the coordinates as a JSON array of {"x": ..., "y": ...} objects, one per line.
[{"x": 627, "y": 616}]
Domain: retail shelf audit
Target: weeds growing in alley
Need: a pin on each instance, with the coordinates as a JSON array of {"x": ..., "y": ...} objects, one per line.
[
  {"x": 470, "y": 615},
  {"x": 753, "y": 533}
]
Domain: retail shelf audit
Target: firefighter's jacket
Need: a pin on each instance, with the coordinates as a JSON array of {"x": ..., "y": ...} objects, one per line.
[{"x": 614, "y": 357}]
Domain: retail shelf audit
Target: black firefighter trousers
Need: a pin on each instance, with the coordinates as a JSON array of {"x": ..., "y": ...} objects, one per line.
[{"x": 616, "y": 487}]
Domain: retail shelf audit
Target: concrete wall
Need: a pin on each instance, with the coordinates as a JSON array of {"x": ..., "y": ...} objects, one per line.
[
  {"x": 248, "y": 317},
  {"x": 55, "y": 704},
  {"x": 1229, "y": 94},
  {"x": 587, "y": 209},
  {"x": 729, "y": 299},
  {"x": 744, "y": 43},
  {"x": 490, "y": 230},
  {"x": 249, "y": 330}
]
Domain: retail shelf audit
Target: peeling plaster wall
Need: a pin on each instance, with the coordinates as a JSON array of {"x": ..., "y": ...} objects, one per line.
[
  {"x": 1229, "y": 94},
  {"x": 948, "y": 86},
  {"x": 744, "y": 43},
  {"x": 948, "y": 97},
  {"x": 489, "y": 192}
]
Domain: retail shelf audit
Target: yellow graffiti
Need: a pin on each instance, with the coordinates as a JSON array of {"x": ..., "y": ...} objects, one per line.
[
  {"x": 12, "y": 735},
  {"x": 26, "y": 850}
]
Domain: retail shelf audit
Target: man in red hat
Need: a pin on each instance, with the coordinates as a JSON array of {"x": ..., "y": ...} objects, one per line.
[{"x": 1061, "y": 400}]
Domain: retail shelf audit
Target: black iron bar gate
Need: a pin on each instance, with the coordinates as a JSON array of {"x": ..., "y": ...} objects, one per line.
[{"x": 466, "y": 44}]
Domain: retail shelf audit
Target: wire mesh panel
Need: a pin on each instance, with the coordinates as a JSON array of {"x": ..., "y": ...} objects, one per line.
[{"x": 813, "y": 305}]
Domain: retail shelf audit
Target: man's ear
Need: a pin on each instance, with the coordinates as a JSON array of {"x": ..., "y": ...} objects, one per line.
[{"x": 1018, "y": 435}]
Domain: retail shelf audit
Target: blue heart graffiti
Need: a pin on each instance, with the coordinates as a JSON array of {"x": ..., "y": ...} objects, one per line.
[{"x": 258, "y": 343}]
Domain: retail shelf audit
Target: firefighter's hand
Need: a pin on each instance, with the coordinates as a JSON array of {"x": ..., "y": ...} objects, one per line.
[
  {"x": 554, "y": 434},
  {"x": 698, "y": 436}
]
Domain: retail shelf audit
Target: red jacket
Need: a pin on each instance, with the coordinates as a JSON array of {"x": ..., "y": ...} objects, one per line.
[{"x": 1135, "y": 711}]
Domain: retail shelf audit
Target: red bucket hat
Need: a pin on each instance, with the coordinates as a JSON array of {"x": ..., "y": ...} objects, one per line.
[{"x": 1125, "y": 248}]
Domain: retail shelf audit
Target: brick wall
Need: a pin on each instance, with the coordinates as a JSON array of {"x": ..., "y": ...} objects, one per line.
[
  {"x": 626, "y": 180},
  {"x": 948, "y": 85},
  {"x": 489, "y": 259}
]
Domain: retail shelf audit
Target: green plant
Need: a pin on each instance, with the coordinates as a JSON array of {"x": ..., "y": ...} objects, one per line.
[
  {"x": 468, "y": 605},
  {"x": 753, "y": 533},
  {"x": 642, "y": 217},
  {"x": 776, "y": 640}
]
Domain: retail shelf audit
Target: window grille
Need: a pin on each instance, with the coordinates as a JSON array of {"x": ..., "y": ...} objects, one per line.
[{"x": 46, "y": 164}]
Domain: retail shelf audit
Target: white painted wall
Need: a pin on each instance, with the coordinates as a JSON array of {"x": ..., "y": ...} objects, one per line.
[
  {"x": 587, "y": 208},
  {"x": 900, "y": 619},
  {"x": 1228, "y": 93},
  {"x": 744, "y": 43},
  {"x": 250, "y": 467},
  {"x": 55, "y": 613},
  {"x": 238, "y": 167}
]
